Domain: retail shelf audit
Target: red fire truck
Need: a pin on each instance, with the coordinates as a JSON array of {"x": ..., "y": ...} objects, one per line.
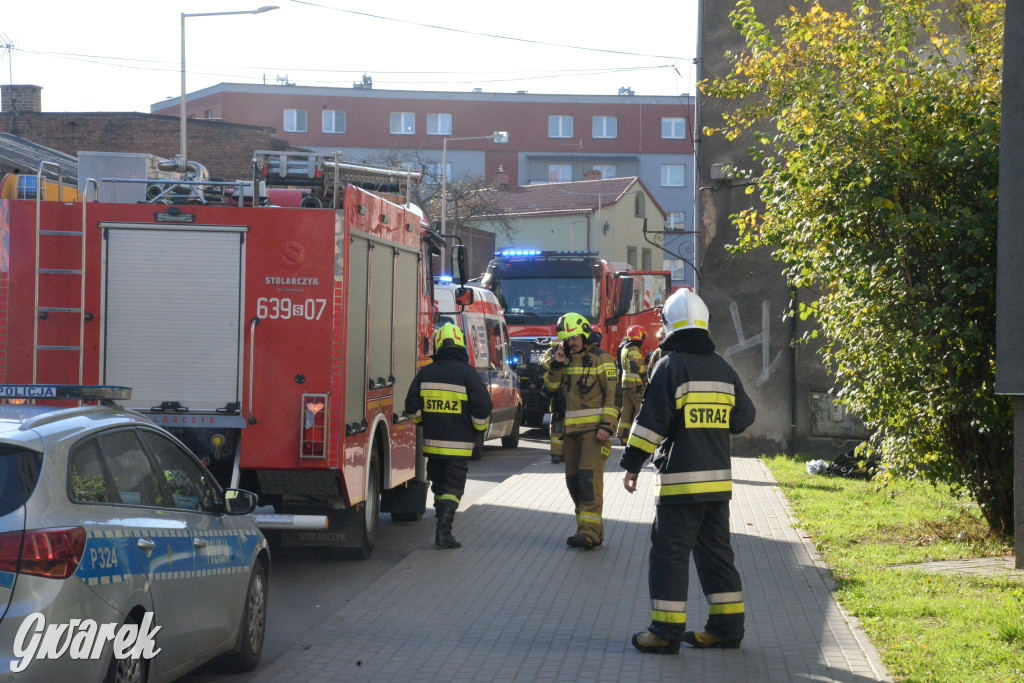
[
  {"x": 537, "y": 287},
  {"x": 278, "y": 343}
]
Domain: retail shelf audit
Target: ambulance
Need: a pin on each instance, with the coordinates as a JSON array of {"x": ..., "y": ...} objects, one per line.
[{"x": 476, "y": 311}]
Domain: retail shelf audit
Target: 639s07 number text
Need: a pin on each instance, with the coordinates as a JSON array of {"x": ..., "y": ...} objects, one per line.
[{"x": 286, "y": 309}]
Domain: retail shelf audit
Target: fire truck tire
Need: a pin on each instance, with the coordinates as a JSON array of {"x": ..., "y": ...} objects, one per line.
[
  {"x": 371, "y": 508},
  {"x": 512, "y": 439},
  {"x": 253, "y": 628}
]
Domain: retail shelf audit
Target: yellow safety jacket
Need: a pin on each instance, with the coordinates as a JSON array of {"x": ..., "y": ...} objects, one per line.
[
  {"x": 588, "y": 379},
  {"x": 634, "y": 369}
]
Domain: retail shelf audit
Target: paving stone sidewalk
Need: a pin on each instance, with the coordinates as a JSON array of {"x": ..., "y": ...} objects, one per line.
[{"x": 516, "y": 604}]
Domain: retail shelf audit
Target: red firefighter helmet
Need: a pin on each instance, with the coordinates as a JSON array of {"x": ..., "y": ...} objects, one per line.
[{"x": 636, "y": 333}]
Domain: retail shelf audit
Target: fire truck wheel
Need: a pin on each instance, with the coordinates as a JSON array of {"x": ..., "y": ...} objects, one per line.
[
  {"x": 253, "y": 628},
  {"x": 512, "y": 440},
  {"x": 371, "y": 508}
]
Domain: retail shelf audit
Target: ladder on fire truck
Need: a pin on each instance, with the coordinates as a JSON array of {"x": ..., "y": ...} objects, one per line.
[{"x": 41, "y": 311}]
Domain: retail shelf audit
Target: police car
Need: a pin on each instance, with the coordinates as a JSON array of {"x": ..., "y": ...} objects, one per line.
[{"x": 121, "y": 558}]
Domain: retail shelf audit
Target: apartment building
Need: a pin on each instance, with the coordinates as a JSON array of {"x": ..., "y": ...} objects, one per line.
[{"x": 551, "y": 138}]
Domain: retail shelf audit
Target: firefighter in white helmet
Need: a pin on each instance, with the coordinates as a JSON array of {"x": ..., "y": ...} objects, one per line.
[
  {"x": 451, "y": 402},
  {"x": 586, "y": 376},
  {"x": 694, "y": 401}
]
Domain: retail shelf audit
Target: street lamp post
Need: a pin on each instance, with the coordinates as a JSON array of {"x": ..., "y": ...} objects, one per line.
[
  {"x": 497, "y": 136},
  {"x": 184, "y": 146}
]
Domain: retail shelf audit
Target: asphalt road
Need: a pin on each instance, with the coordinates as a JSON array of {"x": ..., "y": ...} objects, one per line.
[{"x": 306, "y": 587}]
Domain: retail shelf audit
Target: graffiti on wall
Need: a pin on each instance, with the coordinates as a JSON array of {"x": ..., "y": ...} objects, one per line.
[{"x": 761, "y": 339}]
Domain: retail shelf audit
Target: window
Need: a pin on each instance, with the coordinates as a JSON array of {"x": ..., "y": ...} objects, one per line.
[
  {"x": 639, "y": 206},
  {"x": 559, "y": 173},
  {"x": 333, "y": 121},
  {"x": 208, "y": 114},
  {"x": 676, "y": 221},
  {"x": 295, "y": 120},
  {"x": 673, "y": 128},
  {"x": 403, "y": 123},
  {"x": 605, "y": 127},
  {"x": 607, "y": 170},
  {"x": 631, "y": 256},
  {"x": 495, "y": 344},
  {"x": 559, "y": 126},
  {"x": 439, "y": 124},
  {"x": 88, "y": 480},
  {"x": 434, "y": 171},
  {"x": 130, "y": 470},
  {"x": 645, "y": 259},
  {"x": 189, "y": 485},
  {"x": 673, "y": 175}
]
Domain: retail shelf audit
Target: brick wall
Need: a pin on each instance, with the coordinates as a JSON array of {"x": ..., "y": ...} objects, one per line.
[
  {"x": 224, "y": 148},
  {"x": 21, "y": 98}
]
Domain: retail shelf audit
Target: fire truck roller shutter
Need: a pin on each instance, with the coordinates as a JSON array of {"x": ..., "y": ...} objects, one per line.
[
  {"x": 406, "y": 319},
  {"x": 168, "y": 293},
  {"x": 382, "y": 314},
  {"x": 355, "y": 306}
]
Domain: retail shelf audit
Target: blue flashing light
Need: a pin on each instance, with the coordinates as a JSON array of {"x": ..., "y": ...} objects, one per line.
[
  {"x": 518, "y": 252},
  {"x": 445, "y": 278}
]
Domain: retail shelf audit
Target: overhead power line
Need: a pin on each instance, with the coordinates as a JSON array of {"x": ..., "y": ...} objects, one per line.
[{"x": 485, "y": 35}]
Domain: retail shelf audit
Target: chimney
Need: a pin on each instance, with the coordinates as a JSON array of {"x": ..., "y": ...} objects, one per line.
[
  {"x": 21, "y": 99},
  {"x": 501, "y": 178},
  {"x": 592, "y": 174}
]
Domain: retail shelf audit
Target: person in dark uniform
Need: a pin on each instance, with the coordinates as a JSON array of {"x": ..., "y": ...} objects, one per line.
[
  {"x": 451, "y": 402},
  {"x": 694, "y": 401}
]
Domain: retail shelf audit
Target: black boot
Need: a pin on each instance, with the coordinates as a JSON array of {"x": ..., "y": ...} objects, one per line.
[{"x": 445, "y": 513}]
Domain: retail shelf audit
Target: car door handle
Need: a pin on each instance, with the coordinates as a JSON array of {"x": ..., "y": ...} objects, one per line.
[
  {"x": 146, "y": 545},
  {"x": 198, "y": 543}
]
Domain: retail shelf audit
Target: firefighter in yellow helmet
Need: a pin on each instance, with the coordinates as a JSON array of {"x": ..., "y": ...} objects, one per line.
[
  {"x": 587, "y": 377},
  {"x": 451, "y": 402},
  {"x": 633, "y": 366}
]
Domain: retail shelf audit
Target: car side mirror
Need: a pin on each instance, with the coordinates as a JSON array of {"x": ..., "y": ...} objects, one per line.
[
  {"x": 625, "y": 298},
  {"x": 460, "y": 269},
  {"x": 239, "y": 501}
]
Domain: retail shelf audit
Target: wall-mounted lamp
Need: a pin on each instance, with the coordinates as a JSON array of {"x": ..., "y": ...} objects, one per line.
[{"x": 605, "y": 227}]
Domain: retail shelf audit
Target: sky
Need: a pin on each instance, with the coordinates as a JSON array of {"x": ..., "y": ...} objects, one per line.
[{"x": 117, "y": 56}]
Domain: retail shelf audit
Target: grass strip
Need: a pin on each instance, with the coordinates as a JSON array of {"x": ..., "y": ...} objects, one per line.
[{"x": 926, "y": 626}]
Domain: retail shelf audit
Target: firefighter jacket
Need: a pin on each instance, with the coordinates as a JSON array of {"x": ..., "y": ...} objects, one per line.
[
  {"x": 452, "y": 403},
  {"x": 656, "y": 355},
  {"x": 693, "y": 403},
  {"x": 588, "y": 381},
  {"x": 634, "y": 366}
]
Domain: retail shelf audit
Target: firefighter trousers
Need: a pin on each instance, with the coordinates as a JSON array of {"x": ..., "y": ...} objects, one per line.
[
  {"x": 585, "y": 457},
  {"x": 631, "y": 398},
  {"x": 447, "y": 479},
  {"x": 702, "y": 528}
]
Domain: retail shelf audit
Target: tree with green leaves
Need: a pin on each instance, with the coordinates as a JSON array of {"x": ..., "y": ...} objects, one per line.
[{"x": 876, "y": 141}]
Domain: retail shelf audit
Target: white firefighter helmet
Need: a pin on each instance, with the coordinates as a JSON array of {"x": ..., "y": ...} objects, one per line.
[{"x": 684, "y": 310}]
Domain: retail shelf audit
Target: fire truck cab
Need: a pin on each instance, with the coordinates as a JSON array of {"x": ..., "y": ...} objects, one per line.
[{"x": 535, "y": 288}]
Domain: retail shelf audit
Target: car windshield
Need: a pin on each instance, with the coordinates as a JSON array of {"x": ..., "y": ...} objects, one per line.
[{"x": 19, "y": 474}]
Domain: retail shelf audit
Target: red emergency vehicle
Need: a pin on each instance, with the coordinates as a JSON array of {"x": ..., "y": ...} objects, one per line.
[
  {"x": 278, "y": 343},
  {"x": 537, "y": 287}
]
